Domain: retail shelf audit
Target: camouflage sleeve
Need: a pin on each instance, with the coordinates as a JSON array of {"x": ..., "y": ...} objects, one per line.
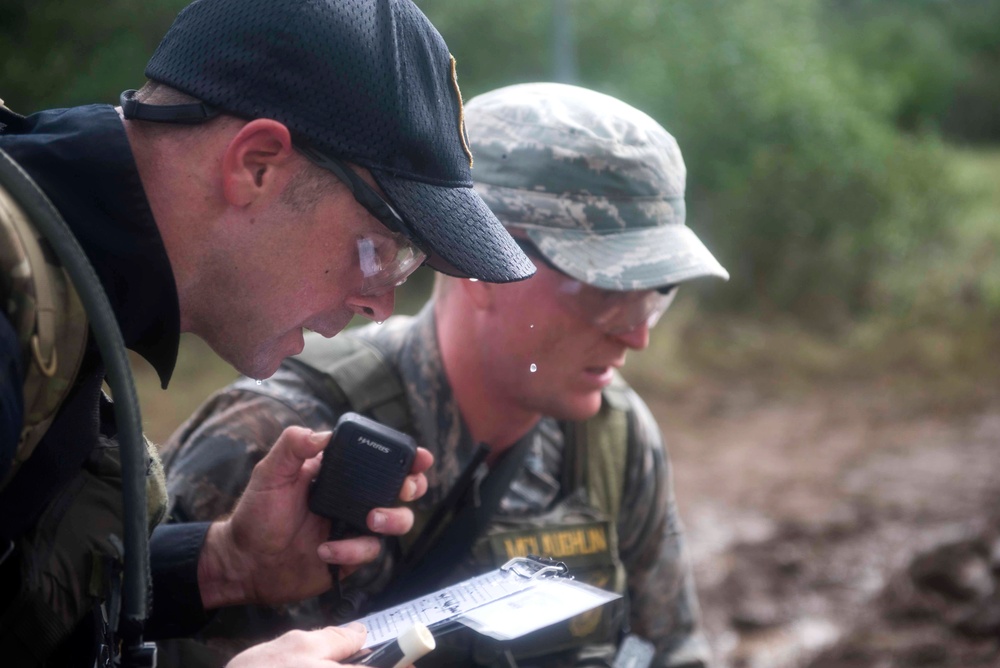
[
  {"x": 209, "y": 459},
  {"x": 663, "y": 604}
]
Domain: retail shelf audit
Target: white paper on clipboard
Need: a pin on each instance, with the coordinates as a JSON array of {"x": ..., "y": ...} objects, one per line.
[
  {"x": 441, "y": 606},
  {"x": 547, "y": 602},
  {"x": 516, "y": 581}
]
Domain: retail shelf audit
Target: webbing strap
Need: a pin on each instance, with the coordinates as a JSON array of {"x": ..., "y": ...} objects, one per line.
[
  {"x": 598, "y": 451},
  {"x": 354, "y": 373},
  {"x": 52, "y": 321},
  {"x": 425, "y": 572},
  {"x": 602, "y": 446}
]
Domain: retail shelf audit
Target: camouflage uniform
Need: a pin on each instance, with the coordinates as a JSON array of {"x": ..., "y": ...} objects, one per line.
[{"x": 209, "y": 461}]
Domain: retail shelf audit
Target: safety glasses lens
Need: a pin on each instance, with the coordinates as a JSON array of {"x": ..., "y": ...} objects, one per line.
[
  {"x": 617, "y": 312},
  {"x": 386, "y": 263}
]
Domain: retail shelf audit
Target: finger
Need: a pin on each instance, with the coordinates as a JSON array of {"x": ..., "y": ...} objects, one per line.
[
  {"x": 310, "y": 468},
  {"x": 329, "y": 642},
  {"x": 414, "y": 487},
  {"x": 295, "y": 446},
  {"x": 415, "y": 484},
  {"x": 343, "y": 641},
  {"x": 351, "y": 551},
  {"x": 422, "y": 461},
  {"x": 390, "y": 521}
]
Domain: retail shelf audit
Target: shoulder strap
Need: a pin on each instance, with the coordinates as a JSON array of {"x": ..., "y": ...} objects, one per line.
[
  {"x": 598, "y": 456},
  {"x": 598, "y": 451},
  {"x": 49, "y": 321},
  {"x": 60, "y": 240},
  {"x": 350, "y": 372},
  {"x": 446, "y": 548}
]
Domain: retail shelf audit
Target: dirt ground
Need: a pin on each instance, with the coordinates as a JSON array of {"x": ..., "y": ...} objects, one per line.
[
  {"x": 839, "y": 527},
  {"x": 831, "y": 525}
]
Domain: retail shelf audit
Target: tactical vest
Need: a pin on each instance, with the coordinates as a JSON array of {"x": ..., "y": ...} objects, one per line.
[
  {"x": 71, "y": 562},
  {"x": 581, "y": 530}
]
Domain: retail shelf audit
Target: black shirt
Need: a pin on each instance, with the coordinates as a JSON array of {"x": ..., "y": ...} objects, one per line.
[{"x": 81, "y": 158}]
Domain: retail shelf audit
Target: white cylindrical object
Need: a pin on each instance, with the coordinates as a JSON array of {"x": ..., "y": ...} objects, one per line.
[
  {"x": 414, "y": 642},
  {"x": 410, "y": 645}
]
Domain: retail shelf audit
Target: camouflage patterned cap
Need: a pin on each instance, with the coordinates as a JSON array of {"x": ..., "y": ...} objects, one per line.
[{"x": 597, "y": 185}]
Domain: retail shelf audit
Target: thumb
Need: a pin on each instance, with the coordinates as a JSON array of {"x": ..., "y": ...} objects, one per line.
[
  {"x": 343, "y": 641},
  {"x": 290, "y": 451}
]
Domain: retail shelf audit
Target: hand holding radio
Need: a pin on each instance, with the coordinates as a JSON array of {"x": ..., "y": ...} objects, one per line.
[
  {"x": 364, "y": 467},
  {"x": 266, "y": 551}
]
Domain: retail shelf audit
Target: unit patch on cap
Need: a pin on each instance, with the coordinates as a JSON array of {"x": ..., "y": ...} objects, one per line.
[{"x": 462, "y": 134}]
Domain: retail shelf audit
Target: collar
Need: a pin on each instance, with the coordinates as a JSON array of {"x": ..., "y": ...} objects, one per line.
[{"x": 81, "y": 158}]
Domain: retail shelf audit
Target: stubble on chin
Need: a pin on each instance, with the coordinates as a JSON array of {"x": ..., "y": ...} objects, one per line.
[{"x": 262, "y": 361}]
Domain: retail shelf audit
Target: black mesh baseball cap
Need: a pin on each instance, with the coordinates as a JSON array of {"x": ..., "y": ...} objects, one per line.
[{"x": 367, "y": 81}]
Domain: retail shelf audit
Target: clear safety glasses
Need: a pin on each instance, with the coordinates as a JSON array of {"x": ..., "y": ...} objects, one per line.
[
  {"x": 613, "y": 312},
  {"x": 386, "y": 260},
  {"x": 616, "y": 312}
]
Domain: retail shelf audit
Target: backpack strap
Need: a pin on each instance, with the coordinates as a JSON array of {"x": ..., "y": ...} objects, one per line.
[
  {"x": 60, "y": 242},
  {"x": 353, "y": 374},
  {"x": 598, "y": 451},
  {"x": 349, "y": 373},
  {"x": 450, "y": 539},
  {"x": 48, "y": 319}
]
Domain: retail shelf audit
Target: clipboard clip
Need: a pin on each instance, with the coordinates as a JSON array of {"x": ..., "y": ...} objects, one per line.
[{"x": 534, "y": 567}]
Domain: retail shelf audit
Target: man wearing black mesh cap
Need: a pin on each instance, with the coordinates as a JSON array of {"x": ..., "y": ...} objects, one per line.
[{"x": 287, "y": 166}]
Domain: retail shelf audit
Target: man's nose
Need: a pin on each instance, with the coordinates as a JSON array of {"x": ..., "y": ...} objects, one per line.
[
  {"x": 636, "y": 338},
  {"x": 374, "y": 307}
]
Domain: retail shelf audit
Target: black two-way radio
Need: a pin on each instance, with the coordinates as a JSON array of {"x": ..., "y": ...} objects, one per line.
[{"x": 364, "y": 466}]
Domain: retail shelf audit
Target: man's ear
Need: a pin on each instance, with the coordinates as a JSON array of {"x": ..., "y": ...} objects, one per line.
[{"x": 257, "y": 162}]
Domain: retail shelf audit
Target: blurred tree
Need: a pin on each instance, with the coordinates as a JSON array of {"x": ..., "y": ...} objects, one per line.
[
  {"x": 939, "y": 58},
  {"x": 61, "y": 52},
  {"x": 797, "y": 175},
  {"x": 496, "y": 42},
  {"x": 788, "y": 111}
]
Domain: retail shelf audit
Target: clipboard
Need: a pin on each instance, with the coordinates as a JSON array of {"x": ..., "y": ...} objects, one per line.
[{"x": 523, "y": 595}]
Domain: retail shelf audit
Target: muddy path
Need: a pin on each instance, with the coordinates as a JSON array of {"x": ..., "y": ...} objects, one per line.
[{"x": 805, "y": 513}]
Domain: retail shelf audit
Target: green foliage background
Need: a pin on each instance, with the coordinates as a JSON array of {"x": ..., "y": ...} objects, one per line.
[{"x": 841, "y": 153}]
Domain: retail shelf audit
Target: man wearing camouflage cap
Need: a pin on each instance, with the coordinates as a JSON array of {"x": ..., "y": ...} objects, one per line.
[{"x": 541, "y": 447}]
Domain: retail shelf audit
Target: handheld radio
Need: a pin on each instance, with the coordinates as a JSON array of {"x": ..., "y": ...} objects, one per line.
[{"x": 364, "y": 466}]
